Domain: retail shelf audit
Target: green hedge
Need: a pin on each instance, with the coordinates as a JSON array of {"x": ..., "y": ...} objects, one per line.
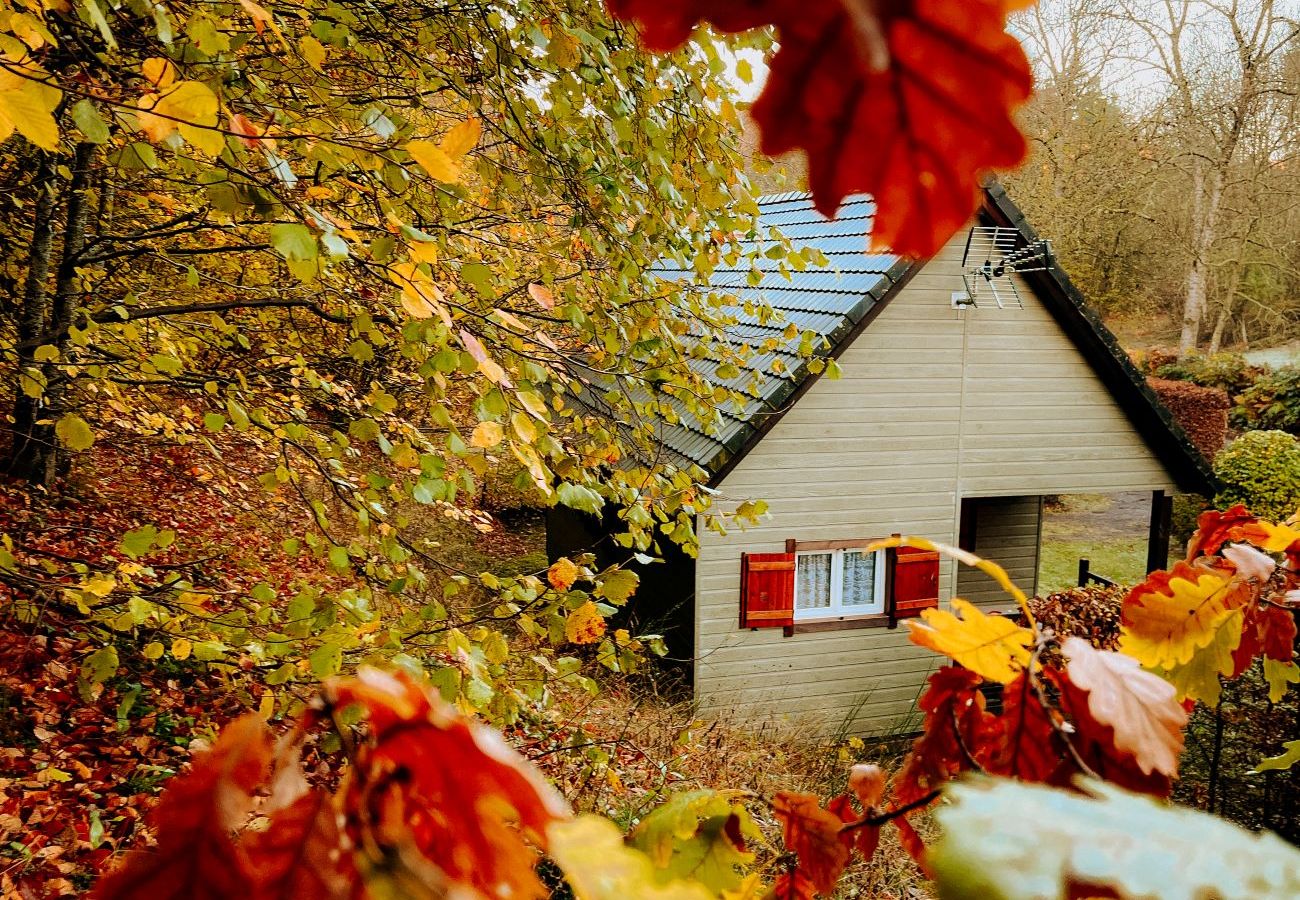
[
  {"x": 1272, "y": 402},
  {"x": 1261, "y": 469}
]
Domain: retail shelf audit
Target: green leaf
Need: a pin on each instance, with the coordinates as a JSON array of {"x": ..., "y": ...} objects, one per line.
[
  {"x": 326, "y": 660},
  {"x": 87, "y": 118},
  {"x": 293, "y": 241},
  {"x": 1282, "y": 761},
  {"x": 699, "y": 835},
  {"x": 73, "y": 432},
  {"x": 617, "y": 585},
  {"x": 339, "y": 557},
  {"x": 214, "y": 421},
  {"x": 209, "y": 650},
  {"x": 581, "y": 498},
  {"x": 100, "y": 666},
  {"x": 139, "y": 541},
  {"x": 1005, "y": 840}
]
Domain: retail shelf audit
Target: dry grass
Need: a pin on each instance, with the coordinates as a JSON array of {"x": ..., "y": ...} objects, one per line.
[{"x": 629, "y": 749}]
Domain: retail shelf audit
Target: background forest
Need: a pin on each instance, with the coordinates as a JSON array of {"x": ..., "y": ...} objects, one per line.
[{"x": 1164, "y": 164}]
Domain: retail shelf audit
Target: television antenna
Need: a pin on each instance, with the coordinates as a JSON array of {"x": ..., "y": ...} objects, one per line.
[{"x": 993, "y": 254}]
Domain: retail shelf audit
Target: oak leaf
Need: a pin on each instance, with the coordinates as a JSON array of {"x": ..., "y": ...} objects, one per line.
[
  {"x": 450, "y": 789},
  {"x": 1141, "y": 707},
  {"x": 992, "y": 646},
  {"x": 699, "y": 835},
  {"x": 1214, "y": 528},
  {"x": 910, "y": 102},
  {"x": 1172, "y": 615},
  {"x": 813, "y": 834},
  {"x": 1021, "y": 741},
  {"x": 301, "y": 853},
  {"x": 955, "y": 722},
  {"x": 1198, "y": 677},
  {"x": 195, "y": 856}
]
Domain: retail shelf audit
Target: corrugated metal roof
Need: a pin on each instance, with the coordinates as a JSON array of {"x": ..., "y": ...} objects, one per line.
[{"x": 822, "y": 303}]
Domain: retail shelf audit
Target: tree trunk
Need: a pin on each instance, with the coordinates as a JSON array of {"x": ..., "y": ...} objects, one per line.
[
  {"x": 33, "y": 321},
  {"x": 39, "y": 459},
  {"x": 1205, "y": 214}
]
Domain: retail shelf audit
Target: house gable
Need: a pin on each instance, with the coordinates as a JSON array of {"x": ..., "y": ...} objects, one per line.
[{"x": 934, "y": 404}]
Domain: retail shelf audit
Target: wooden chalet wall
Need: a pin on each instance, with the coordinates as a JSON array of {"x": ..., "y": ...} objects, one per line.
[
  {"x": 1006, "y": 529},
  {"x": 934, "y": 404}
]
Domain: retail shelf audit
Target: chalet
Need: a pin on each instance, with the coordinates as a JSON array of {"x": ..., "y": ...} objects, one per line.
[{"x": 973, "y": 384}]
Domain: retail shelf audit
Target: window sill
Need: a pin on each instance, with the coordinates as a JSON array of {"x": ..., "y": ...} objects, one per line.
[{"x": 841, "y": 623}]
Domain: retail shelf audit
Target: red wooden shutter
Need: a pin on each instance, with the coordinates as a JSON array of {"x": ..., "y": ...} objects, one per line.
[
  {"x": 916, "y": 581},
  {"x": 766, "y": 590}
]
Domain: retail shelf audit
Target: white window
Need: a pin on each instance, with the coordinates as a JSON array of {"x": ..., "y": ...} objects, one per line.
[{"x": 833, "y": 583}]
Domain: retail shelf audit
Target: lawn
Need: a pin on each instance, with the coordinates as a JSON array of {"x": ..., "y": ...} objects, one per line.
[{"x": 1108, "y": 530}]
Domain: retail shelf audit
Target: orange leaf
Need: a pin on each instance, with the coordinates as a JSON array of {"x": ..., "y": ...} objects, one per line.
[
  {"x": 301, "y": 853},
  {"x": 813, "y": 834},
  {"x": 195, "y": 856},
  {"x": 542, "y": 295},
  {"x": 446, "y": 787},
  {"x": 909, "y": 102},
  {"x": 562, "y": 574},
  {"x": 1140, "y": 706},
  {"x": 954, "y": 718},
  {"x": 1172, "y": 615}
]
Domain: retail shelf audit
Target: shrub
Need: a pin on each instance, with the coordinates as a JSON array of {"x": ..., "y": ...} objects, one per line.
[
  {"x": 1201, "y": 411},
  {"x": 1092, "y": 613},
  {"x": 1227, "y": 371},
  {"x": 1272, "y": 402},
  {"x": 1261, "y": 469},
  {"x": 1187, "y": 509}
]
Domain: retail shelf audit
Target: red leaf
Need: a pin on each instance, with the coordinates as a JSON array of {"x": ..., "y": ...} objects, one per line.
[
  {"x": 955, "y": 723},
  {"x": 195, "y": 856},
  {"x": 1021, "y": 741},
  {"x": 910, "y": 101},
  {"x": 813, "y": 834},
  {"x": 301, "y": 853},
  {"x": 449, "y": 787},
  {"x": 863, "y": 838},
  {"x": 1214, "y": 529}
]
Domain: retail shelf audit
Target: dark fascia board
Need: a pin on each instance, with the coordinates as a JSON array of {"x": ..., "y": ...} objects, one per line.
[
  {"x": 1152, "y": 419},
  {"x": 875, "y": 300}
]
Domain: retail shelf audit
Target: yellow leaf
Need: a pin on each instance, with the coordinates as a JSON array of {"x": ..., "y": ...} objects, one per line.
[
  {"x": 312, "y": 51},
  {"x": 1171, "y": 616},
  {"x": 181, "y": 648},
  {"x": 434, "y": 160},
  {"x": 562, "y": 574},
  {"x": 486, "y": 435},
  {"x": 266, "y": 708},
  {"x": 462, "y": 138},
  {"x": 423, "y": 251},
  {"x": 159, "y": 72},
  {"x": 1276, "y": 538},
  {"x": 600, "y": 866},
  {"x": 420, "y": 297},
  {"x": 28, "y": 106},
  {"x": 533, "y": 402},
  {"x": 523, "y": 427},
  {"x": 153, "y": 650},
  {"x": 191, "y": 108},
  {"x": 995, "y": 647},
  {"x": 1198, "y": 677},
  {"x": 585, "y": 625},
  {"x": 1279, "y": 675}
]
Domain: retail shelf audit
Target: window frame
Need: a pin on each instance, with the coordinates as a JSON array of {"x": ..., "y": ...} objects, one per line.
[{"x": 837, "y": 610}]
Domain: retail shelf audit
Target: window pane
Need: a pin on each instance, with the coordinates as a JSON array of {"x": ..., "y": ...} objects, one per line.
[
  {"x": 813, "y": 581},
  {"x": 859, "y": 579}
]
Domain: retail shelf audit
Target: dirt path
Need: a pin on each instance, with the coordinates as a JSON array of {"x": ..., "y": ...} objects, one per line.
[{"x": 1100, "y": 517}]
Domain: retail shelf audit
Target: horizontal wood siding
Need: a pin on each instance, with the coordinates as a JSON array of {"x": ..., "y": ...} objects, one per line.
[
  {"x": 1006, "y": 532},
  {"x": 933, "y": 404}
]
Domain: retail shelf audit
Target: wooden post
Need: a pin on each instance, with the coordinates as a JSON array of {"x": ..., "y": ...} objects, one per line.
[
  {"x": 1162, "y": 511},
  {"x": 1083, "y": 572}
]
